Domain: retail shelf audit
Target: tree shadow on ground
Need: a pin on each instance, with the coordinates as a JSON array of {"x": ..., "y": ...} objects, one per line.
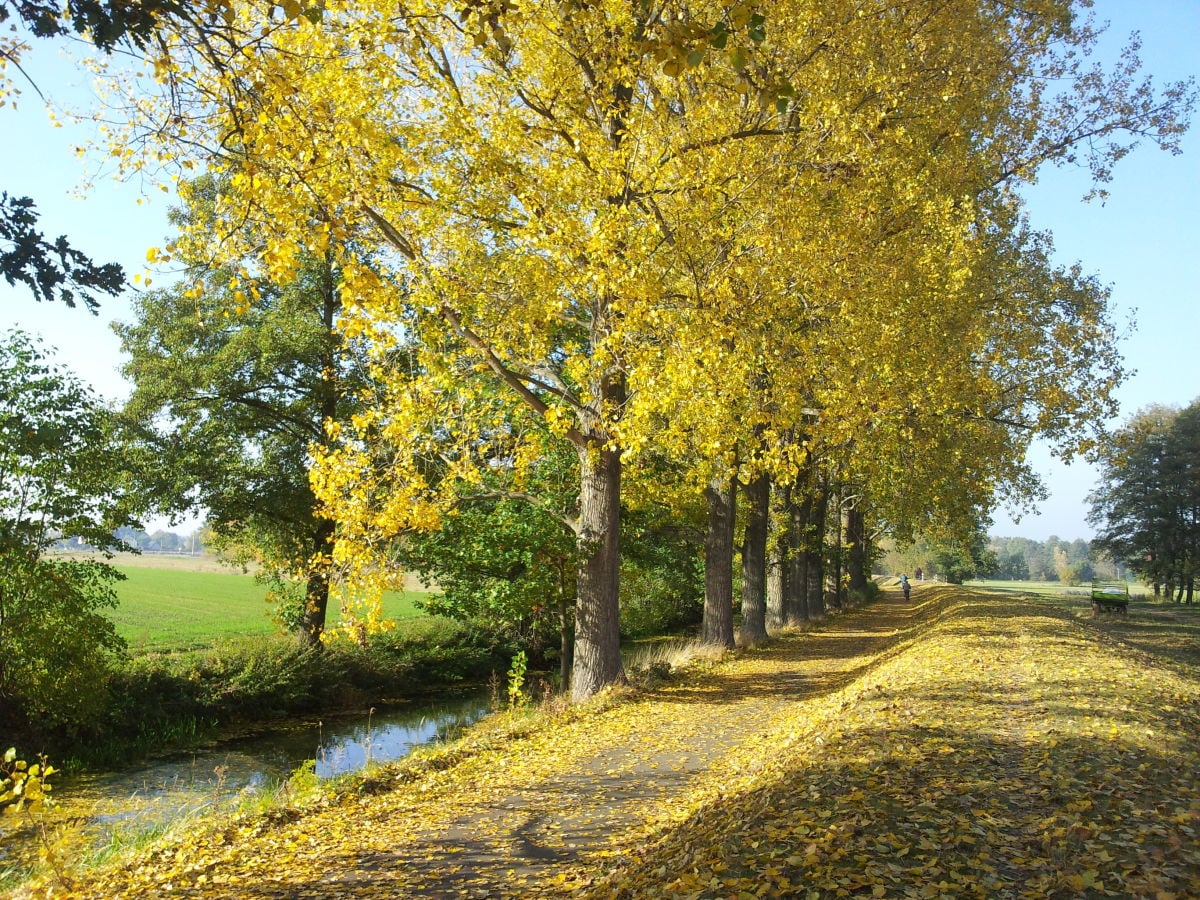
[
  {"x": 944, "y": 812},
  {"x": 1172, "y": 633}
]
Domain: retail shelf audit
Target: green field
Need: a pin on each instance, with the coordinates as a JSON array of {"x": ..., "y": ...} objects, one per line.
[
  {"x": 1080, "y": 592},
  {"x": 168, "y": 609}
]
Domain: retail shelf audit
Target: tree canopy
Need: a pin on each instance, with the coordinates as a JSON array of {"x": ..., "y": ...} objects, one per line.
[
  {"x": 236, "y": 380},
  {"x": 1147, "y": 505},
  {"x": 702, "y": 232}
]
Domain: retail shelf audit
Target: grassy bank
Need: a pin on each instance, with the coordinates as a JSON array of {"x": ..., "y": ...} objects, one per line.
[
  {"x": 159, "y": 701},
  {"x": 205, "y": 657},
  {"x": 1050, "y": 589}
]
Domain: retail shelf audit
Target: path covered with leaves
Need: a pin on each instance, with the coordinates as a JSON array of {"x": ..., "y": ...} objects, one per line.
[{"x": 958, "y": 746}]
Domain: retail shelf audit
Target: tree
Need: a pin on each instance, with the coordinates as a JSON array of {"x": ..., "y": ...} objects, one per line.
[
  {"x": 958, "y": 557},
  {"x": 60, "y": 476},
  {"x": 564, "y": 203},
  {"x": 105, "y": 22},
  {"x": 1147, "y": 506},
  {"x": 51, "y": 270},
  {"x": 236, "y": 381},
  {"x": 504, "y": 562}
]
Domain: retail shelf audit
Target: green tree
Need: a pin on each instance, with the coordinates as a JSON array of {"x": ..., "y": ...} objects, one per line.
[
  {"x": 1147, "y": 506},
  {"x": 506, "y": 558},
  {"x": 964, "y": 555},
  {"x": 235, "y": 382},
  {"x": 60, "y": 477}
]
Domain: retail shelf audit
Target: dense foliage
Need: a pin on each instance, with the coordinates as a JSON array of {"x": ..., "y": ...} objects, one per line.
[
  {"x": 60, "y": 477},
  {"x": 1070, "y": 562},
  {"x": 1147, "y": 506},
  {"x": 678, "y": 229},
  {"x": 227, "y": 409}
]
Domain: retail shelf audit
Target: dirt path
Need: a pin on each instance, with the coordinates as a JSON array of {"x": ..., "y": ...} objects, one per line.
[
  {"x": 532, "y": 816},
  {"x": 520, "y": 836}
]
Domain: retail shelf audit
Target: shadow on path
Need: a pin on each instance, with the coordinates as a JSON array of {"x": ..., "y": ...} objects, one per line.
[{"x": 556, "y": 822}]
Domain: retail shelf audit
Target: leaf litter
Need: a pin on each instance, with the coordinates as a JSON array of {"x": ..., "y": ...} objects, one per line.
[{"x": 964, "y": 745}]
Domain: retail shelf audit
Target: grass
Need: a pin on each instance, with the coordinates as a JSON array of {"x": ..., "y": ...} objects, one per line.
[
  {"x": 169, "y": 610},
  {"x": 1052, "y": 588}
]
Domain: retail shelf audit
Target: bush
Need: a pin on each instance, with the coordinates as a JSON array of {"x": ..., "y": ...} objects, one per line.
[
  {"x": 60, "y": 478},
  {"x": 868, "y": 592},
  {"x": 656, "y": 600}
]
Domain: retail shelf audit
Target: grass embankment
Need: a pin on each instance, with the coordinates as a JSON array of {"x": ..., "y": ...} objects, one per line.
[
  {"x": 967, "y": 745},
  {"x": 1055, "y": 589}
]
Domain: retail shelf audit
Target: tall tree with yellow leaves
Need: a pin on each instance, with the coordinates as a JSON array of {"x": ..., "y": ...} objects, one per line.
[{"x": 584, "y": 205}]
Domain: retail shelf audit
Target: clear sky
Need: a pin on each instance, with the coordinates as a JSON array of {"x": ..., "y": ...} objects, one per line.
[{"x": 1144, "y": 241}]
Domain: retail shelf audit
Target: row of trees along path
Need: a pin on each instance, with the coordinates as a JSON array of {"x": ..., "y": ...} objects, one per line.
[{"x": 958, "y": 745}]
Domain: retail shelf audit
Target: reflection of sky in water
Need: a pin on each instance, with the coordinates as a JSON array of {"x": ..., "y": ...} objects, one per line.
[{"x": 157, "y": 793}]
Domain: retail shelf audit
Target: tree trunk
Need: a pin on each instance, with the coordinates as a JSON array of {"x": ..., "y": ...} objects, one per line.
[
  {"x": 799, "y": 516},
  {"x": 777, "y": 567},
  {"x": 814, "y": 554},
  {"x": 856, "y": 540},
  {"x": 597, "y": 611},
  {"x": 754, "y": 562},
  {"x": 327, "y": 394},
  {"x": 316, "y": 593},
  {"x": 718, "y": 563},
  {"x": 566, "y": 647}
]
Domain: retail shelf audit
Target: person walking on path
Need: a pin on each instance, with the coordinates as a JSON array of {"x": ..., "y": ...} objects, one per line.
[{"x": 905, "y": 586}]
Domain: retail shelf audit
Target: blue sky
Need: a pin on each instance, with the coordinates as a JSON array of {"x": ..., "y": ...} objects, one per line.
[{"x": 1143, "y": 242}]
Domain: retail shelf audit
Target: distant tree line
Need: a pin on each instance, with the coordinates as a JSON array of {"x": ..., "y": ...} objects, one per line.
[
  {"x": 157, "y": 541},
  {"x": 1054, "y": 559},
  {"x": 1003, "y": 558}
]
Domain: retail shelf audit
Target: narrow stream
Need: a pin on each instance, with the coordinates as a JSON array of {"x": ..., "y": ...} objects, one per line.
[{"x": 114, "y": 805}]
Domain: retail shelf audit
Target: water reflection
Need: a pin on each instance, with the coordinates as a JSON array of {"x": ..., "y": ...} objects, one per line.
[{"x": 146, "y": 796}]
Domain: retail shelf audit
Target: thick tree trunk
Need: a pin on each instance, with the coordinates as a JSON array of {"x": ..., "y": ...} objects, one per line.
[
  {"x": 718, "y": 563},
  {"x": 316, "y": 592},
  {"x": 597, "y": 619},
  {"x": 856, "y": 540},
  {"x": 754, "y": 562},
  {"x": 777, "y": 566},
  {"x": 814, "y": 554},
  {"x": 795, "y": 607}
]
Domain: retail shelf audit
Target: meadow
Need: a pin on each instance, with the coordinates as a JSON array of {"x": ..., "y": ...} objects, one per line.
[
  {"x": 1052, "y": 589},
  {"x": 171, "y": 604}
]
